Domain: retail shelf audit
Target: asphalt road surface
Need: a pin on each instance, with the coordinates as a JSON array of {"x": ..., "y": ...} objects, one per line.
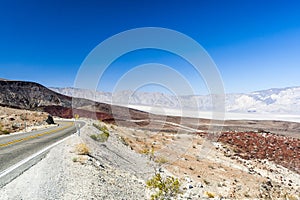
[{"x": 16, "y": 147}]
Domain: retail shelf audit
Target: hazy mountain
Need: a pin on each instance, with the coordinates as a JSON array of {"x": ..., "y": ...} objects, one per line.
[{"x": 283, "y": 101}]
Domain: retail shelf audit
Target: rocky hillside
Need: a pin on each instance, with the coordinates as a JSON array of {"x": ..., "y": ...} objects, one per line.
[
  {"x": 30, "y": 95},
  {"x": 15, "y": 120},
  {"x": 33, "y": 96}
]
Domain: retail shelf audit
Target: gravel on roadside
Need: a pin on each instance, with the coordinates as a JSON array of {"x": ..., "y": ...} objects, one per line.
[{"x": 112, "y": 171}]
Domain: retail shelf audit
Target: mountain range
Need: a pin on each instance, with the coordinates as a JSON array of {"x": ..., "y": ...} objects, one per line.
[{"x": 277, "y": 100}]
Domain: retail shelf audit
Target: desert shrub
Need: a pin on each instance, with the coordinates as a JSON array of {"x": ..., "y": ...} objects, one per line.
[
  {"x": 3, "y": 131},
  {"x": 148, "y": 152},
  {"x": 161, "y": 160},
  {"x": 210, "y": 195},
  {"x": 102, "y": 137},
  {"x": 6, "y": 132},
  {"x": 260, "y": 130},
  {"x": 144, "y": 151},
  {"x": 94, "y": 137},
  {"x": 101, "y": 128},
  {"x": 113, "y": 127},
  {"x": 124, "y": 141},
  {"x": 166, "y": 188},
  {"x": 206, "y": 182},
  {"x": 82, "y": 149},
  {"x": 74, "y": 159},
  {"x": 291, "y": 197},
  {"x": 96, "y": 126}
]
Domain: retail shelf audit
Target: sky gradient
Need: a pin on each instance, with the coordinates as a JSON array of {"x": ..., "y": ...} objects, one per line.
[{"x": 255, "y": 44}]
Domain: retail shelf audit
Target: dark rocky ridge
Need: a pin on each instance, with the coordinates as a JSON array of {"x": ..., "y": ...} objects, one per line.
[
  {"x": 30, "y": 95},
  {"x": 34, "y": 96}
]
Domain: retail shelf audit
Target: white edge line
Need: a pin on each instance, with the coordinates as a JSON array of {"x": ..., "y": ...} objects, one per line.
[{"x": 10, "y": 169}]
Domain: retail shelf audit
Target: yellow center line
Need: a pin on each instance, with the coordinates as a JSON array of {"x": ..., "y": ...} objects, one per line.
[{"x": 36, "y": 135}]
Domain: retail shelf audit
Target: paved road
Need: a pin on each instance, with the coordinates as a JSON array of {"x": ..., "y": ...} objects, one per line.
[{"x": 14, "y": 148}]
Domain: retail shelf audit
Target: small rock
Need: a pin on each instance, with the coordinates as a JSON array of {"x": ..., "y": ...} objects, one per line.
[
  {"x": 191, "y": 168},
  {"x": 50, "y": 120}
]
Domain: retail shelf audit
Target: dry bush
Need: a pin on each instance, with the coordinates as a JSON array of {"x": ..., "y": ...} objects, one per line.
[
  {"x": 82, "y": 149},
  {"x": 161, "y": 160},
  {"x": 209, "y": 194}
]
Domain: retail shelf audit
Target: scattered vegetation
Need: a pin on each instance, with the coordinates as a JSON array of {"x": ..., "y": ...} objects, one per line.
[
  {"x": 124, "y": 141},
  {"x": 166, "y": 187},
  {"x": 211, "y": 167},
  {"x": 94, "y": 137},
  {"x": 209, "y": 194},
  {"x": 291, "y": 197},
  {"x": 82, "y": 149},
  {"x": 206, "y": 182},
  {"x": 101, "y": 128},
  {"x": 76, "y": 116},
  {"x": 102, "y": 137},
  {"x": 113, "y": 127},
  {"x": 144, "y": 151},
  {"x": 3, "y": 131},
  {"x": 260, "y": 130},
  {"x": 246, "y": 194},
  {"x": 161, "y": 160},
  {"x": 74, "y": 159},
  {"x": 148, "y": 151}
]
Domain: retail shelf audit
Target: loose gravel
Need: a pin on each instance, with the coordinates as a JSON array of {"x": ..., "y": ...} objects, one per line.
[{"x": 111, "y": 171}]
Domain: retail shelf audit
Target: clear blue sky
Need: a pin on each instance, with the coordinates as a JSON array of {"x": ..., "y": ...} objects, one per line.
[{"x": 255, "y": 44}]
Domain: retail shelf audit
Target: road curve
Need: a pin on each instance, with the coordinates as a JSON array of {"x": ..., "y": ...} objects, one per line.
[{"x": 17, "y": 147}]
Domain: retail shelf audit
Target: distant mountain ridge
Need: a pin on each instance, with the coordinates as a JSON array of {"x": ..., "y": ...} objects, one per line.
[{"x": 276, "y": 100}]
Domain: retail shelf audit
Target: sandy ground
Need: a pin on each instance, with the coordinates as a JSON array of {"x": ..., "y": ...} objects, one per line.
[
  {"x": 16, "y": 120},
  {"x": 214, "y": 168}
]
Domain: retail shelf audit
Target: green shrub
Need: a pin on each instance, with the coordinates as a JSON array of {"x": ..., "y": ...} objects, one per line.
[
  {"x": 3, "y": 131},
  {"x": 6, "y": 132},
  {"x": 167, "y": 187},
  {"x": 102, "y": 137},
  {"x": 94, "y": 137},
  {"x": 101, "y": 128}
]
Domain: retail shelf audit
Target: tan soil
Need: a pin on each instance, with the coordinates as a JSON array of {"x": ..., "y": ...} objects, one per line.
[
  {"x": 15, "y": 120},
  {"x": 219, "y": 169}
]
